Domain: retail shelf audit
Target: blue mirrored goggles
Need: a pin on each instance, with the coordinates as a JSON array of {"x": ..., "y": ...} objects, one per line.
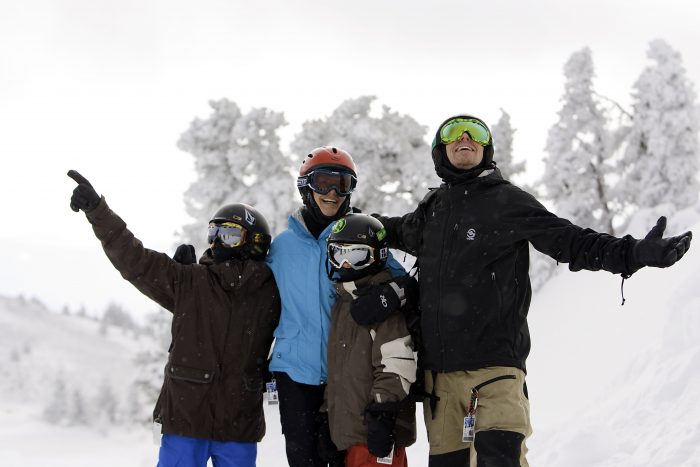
[
  {"x": 229, "y": 234},
  {"x": 322, "y": 181}
]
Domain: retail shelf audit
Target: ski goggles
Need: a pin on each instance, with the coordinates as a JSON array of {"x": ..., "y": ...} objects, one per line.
[
  {"x": 229, "y": 234},
  {"x": 322, "y": 181},
  {"x": 356, "y": 256},
  {"x": 455, "y": 128}
]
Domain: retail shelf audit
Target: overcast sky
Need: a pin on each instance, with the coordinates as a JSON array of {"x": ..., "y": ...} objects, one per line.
[{"x": 107, "y": 87}]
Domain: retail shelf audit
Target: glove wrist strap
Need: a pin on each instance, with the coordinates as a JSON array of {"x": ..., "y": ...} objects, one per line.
[{"x": 401, "y": 293}]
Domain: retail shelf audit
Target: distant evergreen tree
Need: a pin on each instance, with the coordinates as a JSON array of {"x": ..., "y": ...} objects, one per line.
[
  {"x": 56, "y": 411},
  {"x": 149, "y": 363},
  {"x": 79, "y": 413},
  {"x": 237, "y": 160},
  {"x": 392, "y": 157},
  {"x": 503, "y": 147},
  {"x": 106, "y": 403},
  {"x": 579, "y": 147},
  {"x": 116, "y": 315},
  {"x": 662, "y": 157}
]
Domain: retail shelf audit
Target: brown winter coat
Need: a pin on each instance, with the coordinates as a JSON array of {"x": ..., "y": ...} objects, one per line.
[
  {"x": 367, "y": 364},
  {"x": 223, "y": 318}
]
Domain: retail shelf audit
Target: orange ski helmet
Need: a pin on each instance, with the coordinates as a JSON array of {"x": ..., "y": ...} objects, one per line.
[{"x": 327, "y": 157}]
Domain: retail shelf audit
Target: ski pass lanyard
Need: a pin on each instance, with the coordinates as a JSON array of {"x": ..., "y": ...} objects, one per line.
[{"x": 470, "y": 419}]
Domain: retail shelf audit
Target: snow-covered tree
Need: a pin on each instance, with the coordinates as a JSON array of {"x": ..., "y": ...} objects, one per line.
[
  {"x": 502, "y": 136},
  {"x": 116, "y": 315},
  {"x": 106, "y": 403},
  {"x": 79, "y": 411},
  {"x": 393, "y": 159},
  {"x": 237, "y": 160},
  {"x": 662, "y": 157},
  {"x": 149, "y": 363},
  {"x": 579, "y": 147},
  {"x": 56, "y": 411}
]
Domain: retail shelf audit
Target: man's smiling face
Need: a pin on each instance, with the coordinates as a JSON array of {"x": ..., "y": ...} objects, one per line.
[{"x": 464, "y": 153}]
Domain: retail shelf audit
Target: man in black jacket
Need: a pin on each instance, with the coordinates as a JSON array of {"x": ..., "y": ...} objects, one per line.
[{"x": 471, "y": 239}]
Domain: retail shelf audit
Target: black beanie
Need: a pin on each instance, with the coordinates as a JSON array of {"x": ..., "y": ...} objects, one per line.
[{"x": 444, "y": 168}]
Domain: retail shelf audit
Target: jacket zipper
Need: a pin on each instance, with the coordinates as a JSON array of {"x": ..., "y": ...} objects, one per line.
[
  {"x": 493, "y": 380},
  {"x": 494, "y": 282},
  {"x": 446, "y": 242}
]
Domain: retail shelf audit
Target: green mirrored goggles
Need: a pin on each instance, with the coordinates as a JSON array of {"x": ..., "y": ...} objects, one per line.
[{"x": 455, "y": 128}]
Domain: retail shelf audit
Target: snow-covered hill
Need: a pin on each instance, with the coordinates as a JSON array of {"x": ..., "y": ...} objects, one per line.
[
  {"x": 609, "y": 385},
  {"x": 615, "y": 385}
]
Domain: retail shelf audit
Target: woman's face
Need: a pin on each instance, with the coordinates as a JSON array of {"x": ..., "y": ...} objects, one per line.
[{"x": 329, "y": 203}]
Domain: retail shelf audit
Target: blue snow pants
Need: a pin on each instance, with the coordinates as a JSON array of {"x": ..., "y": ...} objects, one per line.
[{"x": 183, "y": 451}]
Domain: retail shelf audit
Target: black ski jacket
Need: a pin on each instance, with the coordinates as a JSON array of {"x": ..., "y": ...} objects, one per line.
[{"x": 471, "y": 240}]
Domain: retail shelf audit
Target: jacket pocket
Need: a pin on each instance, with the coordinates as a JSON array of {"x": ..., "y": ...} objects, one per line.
[
  {"x": 192, "y": 375},
  {"x": 253, "y": 383}
]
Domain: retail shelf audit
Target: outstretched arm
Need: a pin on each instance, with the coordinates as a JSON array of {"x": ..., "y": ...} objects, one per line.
[{"x": 153, "y": 273}]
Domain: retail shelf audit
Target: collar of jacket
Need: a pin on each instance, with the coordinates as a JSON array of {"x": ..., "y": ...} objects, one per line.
[
  {"x": 298, "y": 226},
  {"x": 487, "y": 177}
]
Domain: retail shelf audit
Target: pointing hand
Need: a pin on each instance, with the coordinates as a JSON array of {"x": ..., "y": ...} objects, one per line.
[{"x": 84, "y": 195}]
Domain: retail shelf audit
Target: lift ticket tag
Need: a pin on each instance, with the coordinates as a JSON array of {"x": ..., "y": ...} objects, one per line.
[
  {"x": 389, "y": 459},
  {"x": 273, "y": 397}
]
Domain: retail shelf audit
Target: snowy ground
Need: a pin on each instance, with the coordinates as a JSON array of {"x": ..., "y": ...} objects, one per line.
[
  {"x": 25, "y": 441},
  {"x": 609, "y": 385}
]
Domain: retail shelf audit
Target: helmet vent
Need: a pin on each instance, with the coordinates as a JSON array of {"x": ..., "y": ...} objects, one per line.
[{"x": 335, "y": 151}]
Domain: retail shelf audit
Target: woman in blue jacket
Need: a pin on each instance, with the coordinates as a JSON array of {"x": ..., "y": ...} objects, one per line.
[{"x": 327, "y": 178}]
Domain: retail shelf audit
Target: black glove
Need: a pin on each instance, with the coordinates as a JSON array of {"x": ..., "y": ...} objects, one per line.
[
  {"x": 381, "y": 418},
  {"x": 376, "y": 302},
  {"x": 326, "y": 449},
  {"x": 185, "y": 254},
  {"x": 84, "y": 195},
  {"x": 656, "y": 251}
]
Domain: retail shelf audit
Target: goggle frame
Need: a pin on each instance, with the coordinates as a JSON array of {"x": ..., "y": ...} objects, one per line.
[
  {"x": 454, "y": 129},
  {"x": 369, "y": 259},
  {"x": 214, "y": 232},
  {"x": 310, "y": 180}
]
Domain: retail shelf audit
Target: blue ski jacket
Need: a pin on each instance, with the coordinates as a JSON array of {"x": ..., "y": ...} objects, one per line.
[{"x": 298, "y": 262}]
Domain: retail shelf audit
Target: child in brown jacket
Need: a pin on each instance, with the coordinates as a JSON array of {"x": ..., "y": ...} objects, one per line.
[{"x": 370, "y": 368}]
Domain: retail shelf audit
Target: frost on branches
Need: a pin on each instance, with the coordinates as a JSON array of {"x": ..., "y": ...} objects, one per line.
[
  {"x": 237, "y": 160},
  {"x": 502, "y": 134},
  {"x": 661, "y": 158},
  {"x": 392, "y": 157},
  {"x": 579, "y": 147}
]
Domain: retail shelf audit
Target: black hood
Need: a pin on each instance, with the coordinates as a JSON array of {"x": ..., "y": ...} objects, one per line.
[{"x": 448, "y": 172}]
